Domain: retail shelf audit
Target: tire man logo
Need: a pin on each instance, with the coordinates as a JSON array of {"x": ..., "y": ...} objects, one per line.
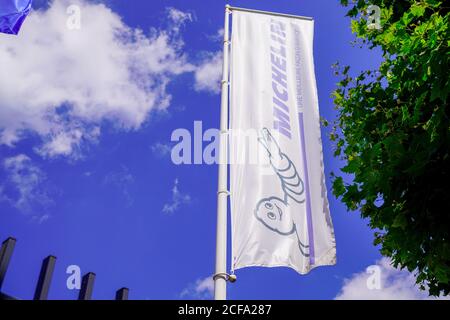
[{"x": 272, "y": 211}]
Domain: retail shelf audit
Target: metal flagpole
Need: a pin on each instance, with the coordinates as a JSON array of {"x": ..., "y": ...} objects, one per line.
[{"x": 221, "y": 276}]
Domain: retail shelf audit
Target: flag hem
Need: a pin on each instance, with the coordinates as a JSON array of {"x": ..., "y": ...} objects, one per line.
[{"x": 328, "y": 259}]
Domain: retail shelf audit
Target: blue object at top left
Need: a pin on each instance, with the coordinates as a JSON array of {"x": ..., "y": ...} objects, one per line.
[{"x": 13, "y": 14}]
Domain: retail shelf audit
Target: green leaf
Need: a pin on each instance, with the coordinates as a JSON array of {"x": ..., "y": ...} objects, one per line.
[
  {"x": 338, "y": 187},
  {"x": 400, "y": 221},
  {"x": 417, "y": 10},
  {"x": 351, "y": 167}
]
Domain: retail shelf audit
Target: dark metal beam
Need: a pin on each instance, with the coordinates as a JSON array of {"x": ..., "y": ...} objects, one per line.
[
  {"x": 4, "y": 296},
  {"x": 122, "y": 294},
  {"x": 87, "y": 286},
  {"x": 5, "y": 256},
  {"x": 45, "y": 278}
]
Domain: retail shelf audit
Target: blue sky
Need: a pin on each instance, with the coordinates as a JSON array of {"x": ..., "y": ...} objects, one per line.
[{"x": 97, "y": 187}]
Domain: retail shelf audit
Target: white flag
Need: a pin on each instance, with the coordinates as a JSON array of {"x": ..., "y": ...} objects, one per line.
[{"x": 279, "y": 208}]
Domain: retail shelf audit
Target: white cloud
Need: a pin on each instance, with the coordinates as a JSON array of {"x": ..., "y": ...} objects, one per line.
[
  {"x": 40, "y": 219},
  {"x": 161, "y": 149},
  {"x": 122, "y": 180},
  {"x": 178, "y": 199},
  {"x": 202, "y": 289},
  {"x": 218, "y": 36},
  {"x": 179, "y": 18},
  {"x": 395, "y": 285},
  {"x": 209, "y": 73},
  {"x": 68, "y": 142},
  {"x": 23, "y": 187},
  {"x": 62, "y": 84},
  {"x": 88, "y": 173}
]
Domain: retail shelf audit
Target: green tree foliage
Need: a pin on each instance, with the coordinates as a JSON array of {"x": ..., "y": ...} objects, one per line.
[{"x": 393, "y": 132}]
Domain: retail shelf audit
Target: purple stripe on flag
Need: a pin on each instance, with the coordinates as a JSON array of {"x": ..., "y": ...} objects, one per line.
[{"x": 308, "y": 195}]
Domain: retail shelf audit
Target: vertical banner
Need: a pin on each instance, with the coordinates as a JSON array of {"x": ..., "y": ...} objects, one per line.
[{"x": 279, "y": 207}]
